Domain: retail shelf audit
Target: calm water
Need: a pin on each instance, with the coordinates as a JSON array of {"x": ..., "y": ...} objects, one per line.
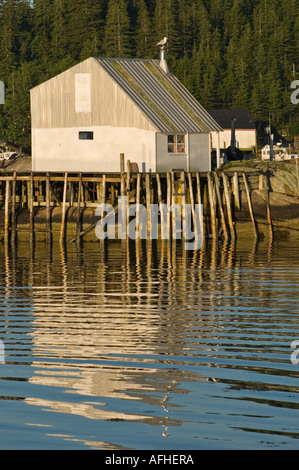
[{"x": 149, "y": 347}]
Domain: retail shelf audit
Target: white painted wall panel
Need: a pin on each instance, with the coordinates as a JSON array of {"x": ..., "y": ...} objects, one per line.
[
  {"x": 82, "y": 93},
  {"x": 200, "y": 152},
  {"x": 60, "y": 150},
  {"x": 246, "y": 139}
]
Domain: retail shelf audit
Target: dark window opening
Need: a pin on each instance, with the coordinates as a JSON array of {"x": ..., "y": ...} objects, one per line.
[{"x": 86, "y": 135}]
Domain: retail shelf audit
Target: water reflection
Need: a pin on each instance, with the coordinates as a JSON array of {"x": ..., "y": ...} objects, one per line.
[{"x": 120, "y": 331}]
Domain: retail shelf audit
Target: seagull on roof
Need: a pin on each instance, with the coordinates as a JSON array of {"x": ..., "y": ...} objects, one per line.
[{"x": 162, "y": 42}]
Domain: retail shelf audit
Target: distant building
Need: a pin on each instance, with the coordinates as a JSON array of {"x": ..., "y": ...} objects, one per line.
[
  {"x": 84, "y": 118},
  {"x": 245, "y": 130}
]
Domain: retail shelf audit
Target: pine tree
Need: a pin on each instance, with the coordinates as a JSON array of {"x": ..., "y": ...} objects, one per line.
[
  {"x": 166, "y": 23},
  {"x": 8, "y": 37},
  {"x": 43, "y": 23},
  {"x": 257, "y": 104},
  {"x": 59, "y": 40},
  {"x": 24, "y": 37},
  {"x": 274, "y": 87},
  {"x": 117, "y": 36},
  {"x": 229, "y": 53},
  {"x": 242, "y": 70},
  {"x": 203, "y": 25},
  {"x": 187, "y": 14},
  {"x": 144, "y": 31},
  {"x": 17, "y": 106},
  {"x": 84, "y": 28}
]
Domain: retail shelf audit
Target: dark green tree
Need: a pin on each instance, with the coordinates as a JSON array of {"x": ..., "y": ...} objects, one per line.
[
  {"x": 17, "y": 105},
  {"x": 8, "y": 38},
  {"x": 167, "y": 24},
  {"x": 143, "y": 31},
  {"x": 84, "y": 28},
  {"x": 117, "y": 35},
  {"x": 42, "y": 28},
  {"x": 228, "y": 53}
]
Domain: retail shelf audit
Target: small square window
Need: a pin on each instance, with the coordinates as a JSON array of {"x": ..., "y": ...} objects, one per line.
[
  {"x": 176, "y": 143},
  {"x": 85, "y": 135}
]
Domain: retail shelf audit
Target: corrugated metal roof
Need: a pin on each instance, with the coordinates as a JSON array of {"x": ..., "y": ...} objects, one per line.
[{"x": 160, "y": 96}]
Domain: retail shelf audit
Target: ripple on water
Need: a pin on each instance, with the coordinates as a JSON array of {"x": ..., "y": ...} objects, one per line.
[{"x": 149, "y": 348}]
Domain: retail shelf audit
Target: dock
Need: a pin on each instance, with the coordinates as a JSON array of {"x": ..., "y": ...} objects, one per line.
[{"x": 47, "y": 206}]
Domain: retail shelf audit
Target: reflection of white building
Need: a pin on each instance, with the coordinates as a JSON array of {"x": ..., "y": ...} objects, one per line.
[
  {"x": 245, "y": 130},
  {"x": 92, "y": 342}
]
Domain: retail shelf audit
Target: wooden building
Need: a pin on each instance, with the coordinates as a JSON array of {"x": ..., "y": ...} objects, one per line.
[{"x": 84, "y": 118}]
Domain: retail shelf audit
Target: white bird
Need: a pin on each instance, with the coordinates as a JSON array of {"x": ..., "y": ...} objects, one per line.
[{"x": 162, "y": 42}]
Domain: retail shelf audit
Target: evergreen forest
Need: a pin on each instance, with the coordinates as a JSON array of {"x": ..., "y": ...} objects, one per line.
[{"x": 228, "y": 53}]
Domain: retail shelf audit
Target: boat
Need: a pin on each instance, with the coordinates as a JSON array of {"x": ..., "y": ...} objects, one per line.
[{"x": 280, "y": 153}]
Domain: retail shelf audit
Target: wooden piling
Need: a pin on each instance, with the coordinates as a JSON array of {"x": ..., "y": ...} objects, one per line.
[
  {"x": 148, "y": 201},
  {"x": 183, "y": 187},
  {"x": 98, "y": 192},
  {"x": 264, "y": 186},
  {"x": 159, "y": 194},
  {"x": 250, "y": 206},
  {"x": 138, "y": 186},
  {"x": 168, "y": 202},
  {"x": 176, "y": 199},
  {"x": 6, "y": 216},
  {"x": 63, "y": 213},
  {"x": 228, "y": 206},
  {"x": 192, "y": 202},
  {"x": 31, "y": 206},
  {"x": 236, "y": 191},
  {"x": 269, "y": 218},
  {"x": 220, "y": 205},
  {"x": 82, "y": 193},
  {"x": 103, "y": 197},
  {"x": 71, "y": 193},
  {"x": 122, "y": 185},
  {"x": 200, "y": 203},
  {"x": 23, "y": 192},
  {"x": 13, "y": 207},
  {"x": 122, "y": 163},
  {"x": 128, "y": 175},
  {"x": 112, "y": 194},
  {"x": 48, "y": 207},
  {"x": 79, "y": 209},
  {"x": 159, "y": 191},
  {"x": 212, "y": 206}
]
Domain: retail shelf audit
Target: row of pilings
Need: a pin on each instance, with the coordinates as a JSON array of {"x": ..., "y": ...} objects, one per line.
[{"x": 64, "y": 205}]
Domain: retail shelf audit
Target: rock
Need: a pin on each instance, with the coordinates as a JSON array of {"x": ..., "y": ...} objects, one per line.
[{"x": 284, "y": 182}]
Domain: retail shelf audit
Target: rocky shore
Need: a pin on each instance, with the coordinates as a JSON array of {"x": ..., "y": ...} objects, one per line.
[{"x": 282, "y": 195}]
